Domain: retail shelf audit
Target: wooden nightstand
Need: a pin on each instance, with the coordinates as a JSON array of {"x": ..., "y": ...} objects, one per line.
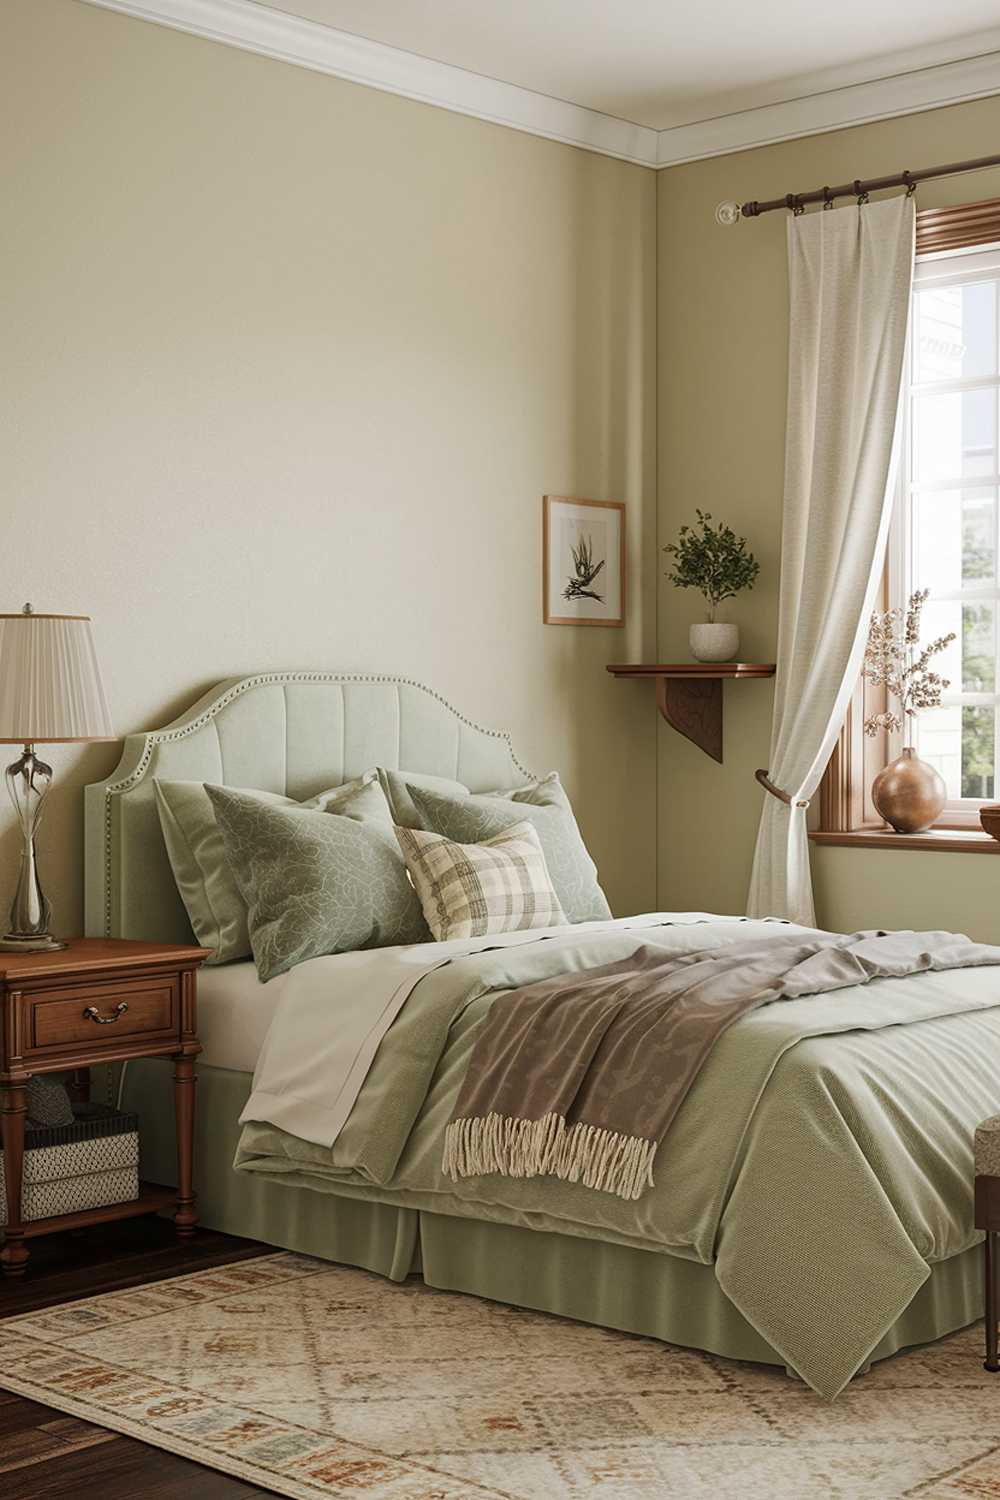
[{"x": 98, "y": 1001}]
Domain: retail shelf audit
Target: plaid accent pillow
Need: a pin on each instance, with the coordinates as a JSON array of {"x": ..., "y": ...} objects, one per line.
[{"x": 472, "y": 890}]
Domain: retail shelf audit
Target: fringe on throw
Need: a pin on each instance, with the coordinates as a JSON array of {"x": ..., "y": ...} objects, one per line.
[{"x": 603, "y": 1159}]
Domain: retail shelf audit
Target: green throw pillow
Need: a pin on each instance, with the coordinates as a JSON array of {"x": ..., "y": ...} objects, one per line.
[
  {"x": 215, "y": 908},
  {"x": 315, "y": 882},
  {"x": 396, "y": 786},
  {"x": 471, "y": 819}
]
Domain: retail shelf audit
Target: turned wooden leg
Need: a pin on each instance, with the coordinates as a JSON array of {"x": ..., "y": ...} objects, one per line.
[
  {"x": 13, "y": 1111},
  {"x": 991, "y": 1268},
  {"x": 184, "y": 1081}
]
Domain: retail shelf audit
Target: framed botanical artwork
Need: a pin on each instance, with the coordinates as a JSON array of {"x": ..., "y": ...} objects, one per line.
[{"x": 583, "y": 561}]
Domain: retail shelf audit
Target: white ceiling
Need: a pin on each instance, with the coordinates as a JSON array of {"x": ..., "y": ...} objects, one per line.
[{"x": 668, "y": 63}]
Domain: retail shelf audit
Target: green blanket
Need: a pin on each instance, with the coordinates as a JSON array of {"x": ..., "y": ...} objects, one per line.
[{"x": 821, "y": 1160}]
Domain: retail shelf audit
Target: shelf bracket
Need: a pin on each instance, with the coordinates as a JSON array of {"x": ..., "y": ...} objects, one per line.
[
  {"x": 693, "y": 706},
  {"x": 689, "y": 695}
]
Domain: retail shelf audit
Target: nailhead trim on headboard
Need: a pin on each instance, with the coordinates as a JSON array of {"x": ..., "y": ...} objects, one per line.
[{"x": 264, "y": 679}]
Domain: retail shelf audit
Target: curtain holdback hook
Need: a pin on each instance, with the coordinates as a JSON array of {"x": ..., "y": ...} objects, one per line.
[{"x": 776, "y": 791}]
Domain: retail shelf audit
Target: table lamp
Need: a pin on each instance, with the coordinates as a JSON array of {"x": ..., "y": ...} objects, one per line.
[{"x": 50, "y": 692}]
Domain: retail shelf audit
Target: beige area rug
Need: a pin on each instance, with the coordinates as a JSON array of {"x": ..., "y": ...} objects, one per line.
[{"x": 315, "y": 1381}]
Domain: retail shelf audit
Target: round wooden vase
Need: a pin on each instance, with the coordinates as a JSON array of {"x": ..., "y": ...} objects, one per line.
[
  {"x": 990, "y": 819},
  {"x": 909, "y": 793}
]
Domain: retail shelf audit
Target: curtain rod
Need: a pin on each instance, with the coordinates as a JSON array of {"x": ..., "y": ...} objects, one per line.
[{"x": 860, "y": 189}]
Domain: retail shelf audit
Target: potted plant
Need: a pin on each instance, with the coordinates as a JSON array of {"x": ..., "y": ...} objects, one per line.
[
  {"x": 909, "y": 793},
  {"x": 715, "y": 561}
]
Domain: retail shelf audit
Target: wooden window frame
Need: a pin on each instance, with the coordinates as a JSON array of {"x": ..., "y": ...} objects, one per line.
[{"x": 847, "y": 814}]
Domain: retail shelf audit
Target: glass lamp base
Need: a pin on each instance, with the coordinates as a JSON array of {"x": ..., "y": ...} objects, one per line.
[
  {"x": 37, "y": 943},
  {"x": 28, "y": 781}
]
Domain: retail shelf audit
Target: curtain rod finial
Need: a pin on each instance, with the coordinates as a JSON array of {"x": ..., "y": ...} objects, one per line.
[{"x": 727, "y": 213}]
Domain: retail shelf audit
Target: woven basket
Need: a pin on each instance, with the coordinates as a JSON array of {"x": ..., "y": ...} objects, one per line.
[{"x": 67, "y": 1168}]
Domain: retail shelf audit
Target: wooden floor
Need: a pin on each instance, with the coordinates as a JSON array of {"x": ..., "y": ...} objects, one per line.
[{"x": 45, "y": 1455}]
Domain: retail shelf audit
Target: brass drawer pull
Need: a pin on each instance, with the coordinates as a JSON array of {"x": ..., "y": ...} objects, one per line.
[{"x": 93, "y": 1014}]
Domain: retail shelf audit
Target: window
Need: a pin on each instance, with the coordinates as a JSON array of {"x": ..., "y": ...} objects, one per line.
[
  {"x": 945, "y": 534},
  {"x": 945, "y": 528}
]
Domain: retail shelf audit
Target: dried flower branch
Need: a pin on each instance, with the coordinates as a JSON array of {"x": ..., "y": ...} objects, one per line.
[{"x": 892, "y": 660}]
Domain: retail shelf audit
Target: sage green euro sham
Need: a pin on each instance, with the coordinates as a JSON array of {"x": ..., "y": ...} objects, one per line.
[
  {"x": 469, "y": 818},
  {"x": 207, "y": 886},
  {"x": 396, "y": 786},
  {"x": 315, "y": 882}
]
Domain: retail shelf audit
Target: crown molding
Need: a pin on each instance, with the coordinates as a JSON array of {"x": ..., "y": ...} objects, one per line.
[
  {"x": 308, "y": 44},
  {"x": 835, "y": 108}
]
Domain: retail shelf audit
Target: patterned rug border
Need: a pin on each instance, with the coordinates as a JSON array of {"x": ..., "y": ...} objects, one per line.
[
  {"x": 128, "y": 1427},
  {"x": 142, "y": 1431},
  {"x": 267, "y": 1479}
]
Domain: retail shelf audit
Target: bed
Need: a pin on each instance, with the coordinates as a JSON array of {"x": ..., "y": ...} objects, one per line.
[{"x": 296, "y": 733}]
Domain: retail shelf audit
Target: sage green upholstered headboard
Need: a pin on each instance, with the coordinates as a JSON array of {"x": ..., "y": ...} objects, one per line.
[{"x": 289, "y": 732}]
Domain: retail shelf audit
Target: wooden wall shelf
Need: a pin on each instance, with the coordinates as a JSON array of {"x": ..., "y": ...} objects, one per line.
[{"x": 689, "y": 695}]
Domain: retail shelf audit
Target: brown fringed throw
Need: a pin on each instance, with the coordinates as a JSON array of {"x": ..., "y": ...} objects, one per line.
[{"x": 580, "y": 1077}]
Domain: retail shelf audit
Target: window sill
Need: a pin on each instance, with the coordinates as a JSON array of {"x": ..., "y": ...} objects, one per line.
[{"x": 946, "y": 840}]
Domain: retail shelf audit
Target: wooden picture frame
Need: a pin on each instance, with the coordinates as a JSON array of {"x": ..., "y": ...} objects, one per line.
[{"x": 567, "y": 575}]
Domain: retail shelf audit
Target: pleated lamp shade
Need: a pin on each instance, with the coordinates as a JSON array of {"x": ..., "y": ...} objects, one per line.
[{"x": 50, "y": 684}]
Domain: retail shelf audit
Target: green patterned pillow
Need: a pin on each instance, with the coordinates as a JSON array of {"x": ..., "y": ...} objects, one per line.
[
  {"x": 215, "y": 908},
  {"x": 472, "y": 819},
  {"x": 396, "y": 786},
  {"x": 315, "y": 882}
]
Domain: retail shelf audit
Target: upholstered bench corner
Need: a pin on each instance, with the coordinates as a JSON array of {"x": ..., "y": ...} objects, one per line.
[
  {"x": 988, "y": 1147},
  {"x": 987, "y": 1158}
]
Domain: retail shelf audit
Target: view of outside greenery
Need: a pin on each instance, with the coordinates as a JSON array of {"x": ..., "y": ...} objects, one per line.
[
  {"x": 978, "y": 660},
  {"x": 953, "y": 444}
]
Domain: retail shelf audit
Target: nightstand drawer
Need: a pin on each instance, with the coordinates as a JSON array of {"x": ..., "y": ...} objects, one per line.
[{"x": 103, "y": 1014}]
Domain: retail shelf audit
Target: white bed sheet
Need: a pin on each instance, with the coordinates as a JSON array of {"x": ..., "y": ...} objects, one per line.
[
  {"x": 235, "y": 1010},
  {"x": 234, "y": 1013},
  {"x": 310, "y": 1072}
]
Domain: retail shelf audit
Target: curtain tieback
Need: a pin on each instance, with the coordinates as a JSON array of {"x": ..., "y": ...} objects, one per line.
[{"x": 776, "y": 791}]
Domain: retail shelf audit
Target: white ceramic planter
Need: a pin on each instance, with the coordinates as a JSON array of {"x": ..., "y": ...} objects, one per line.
[{"x": 716, "y": 642}]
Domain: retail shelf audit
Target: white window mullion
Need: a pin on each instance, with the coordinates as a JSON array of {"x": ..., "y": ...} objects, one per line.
[
  {"x": 963, "y": 482},
  {"x": 972, "y": 595},
  {"x": 955, "y": 385}
]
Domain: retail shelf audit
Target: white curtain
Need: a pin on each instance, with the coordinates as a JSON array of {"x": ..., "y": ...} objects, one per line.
[{"x": 850, "y": 274}]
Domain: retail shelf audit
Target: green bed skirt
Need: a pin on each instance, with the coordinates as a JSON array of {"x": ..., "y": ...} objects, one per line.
[{"x": 638, "y": 1291}]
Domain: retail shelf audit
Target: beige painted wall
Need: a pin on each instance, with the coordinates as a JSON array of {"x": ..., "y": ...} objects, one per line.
[
  {"x": 285, "y": 354},
  {"x": 289, "y": 365},
  {"x": 722, "y": 369}
]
